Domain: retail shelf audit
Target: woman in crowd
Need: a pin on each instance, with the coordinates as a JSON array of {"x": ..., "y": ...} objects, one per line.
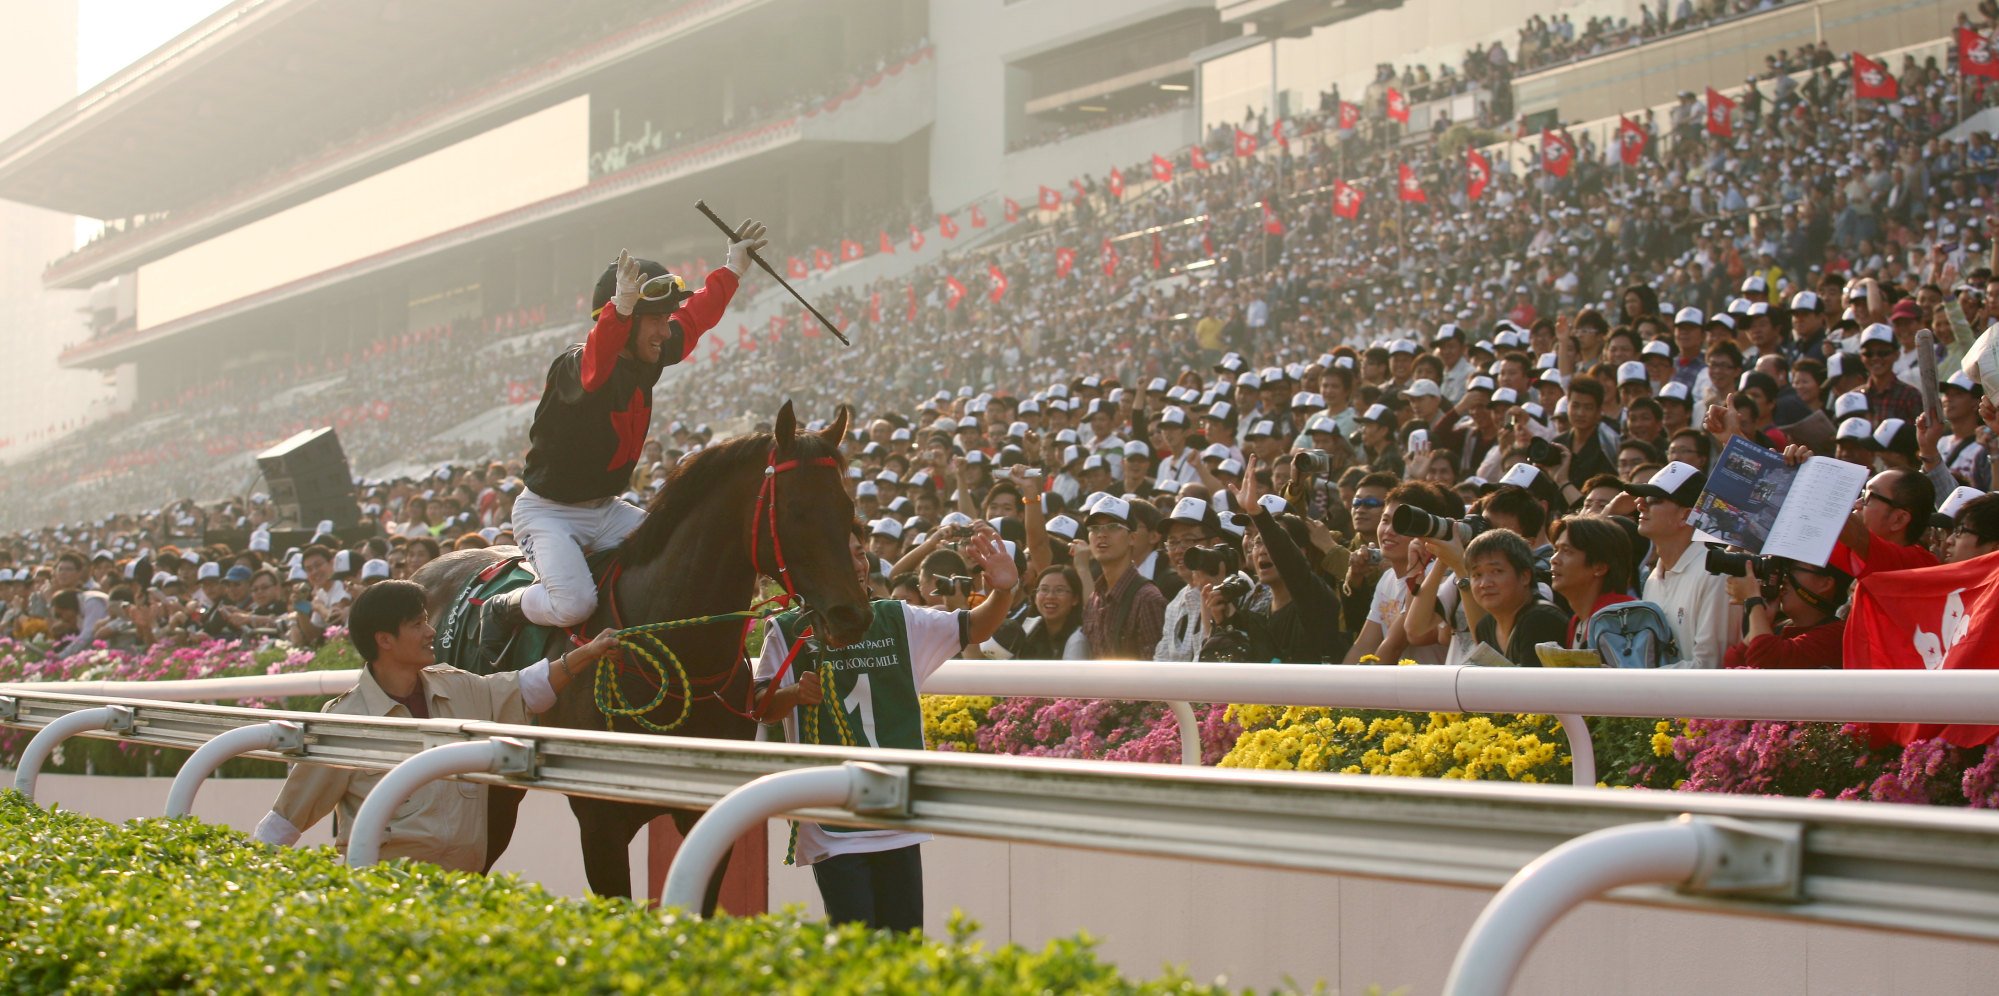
[{"x": 1054, "y": 630}]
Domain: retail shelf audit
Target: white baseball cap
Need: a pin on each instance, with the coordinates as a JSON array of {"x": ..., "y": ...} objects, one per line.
[
  {"x": 1630, "y": 371},
  {"x": 1855, "y": 427}
]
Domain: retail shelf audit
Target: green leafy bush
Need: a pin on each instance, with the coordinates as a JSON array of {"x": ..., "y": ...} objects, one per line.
[{"x": 182, "y": 906}]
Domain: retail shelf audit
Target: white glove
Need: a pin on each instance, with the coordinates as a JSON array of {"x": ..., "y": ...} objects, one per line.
[
  {"x": 749, "y": 238},
  {"x": 626, "y": 297}
]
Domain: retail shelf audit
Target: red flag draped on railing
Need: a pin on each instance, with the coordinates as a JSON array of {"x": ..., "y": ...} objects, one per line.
[
  {"x": 978, "y": 217},
  {"x": 1162, "y": 168},
  {"x": 1478, "y": 174},
  {"x": 1944, "y": 617},
  {"x": 1346, "y": 200},
  {"x": 1349, "y": 116},
  {"x": 915, "y": 237},
  {"x": 1198, "y": 158},
  {"x": 1065, "y": 260},
  {"x": 1012, "y": 210},
  {"x": 1872, "y": 81},
  {"x": 796, "y": 268},
  {"x": 1245, "y": 144},
  {"x": 1974, "y": 54},
  {"x": 1631, "y": 140},
  {"x": 1398, "y": 106},
  {"x": 851, "y": 250},
  {"x": 954, "y": 292},
  {"x": 1049, "y": 199},
  {"x": 1557, "y": 155},
  {"x": 777, "y": 324},
  {"x": 999, "y": 280},
  {"x": 1720, "y": 114},
  {"x": 1117, "y": 182},
  {"x": 887, "y": 244},
  {"x": 947, "y": 226},
  {"x": 821, "y": 259},
  {"x": 1409, "y": 188}
]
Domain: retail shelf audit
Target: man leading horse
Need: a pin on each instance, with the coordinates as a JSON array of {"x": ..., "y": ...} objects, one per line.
[{"x": 590, "y": 429}]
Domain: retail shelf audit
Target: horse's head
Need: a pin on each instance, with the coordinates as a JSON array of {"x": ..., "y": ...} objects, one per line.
[{"x": 814, "y": 525}]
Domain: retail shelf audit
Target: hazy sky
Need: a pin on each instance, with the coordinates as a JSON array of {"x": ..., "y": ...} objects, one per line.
[{"x": 111, "y": 34}]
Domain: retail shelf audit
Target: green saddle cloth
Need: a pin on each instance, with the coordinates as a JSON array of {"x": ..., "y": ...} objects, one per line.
[{"x": 458, "y": 641}]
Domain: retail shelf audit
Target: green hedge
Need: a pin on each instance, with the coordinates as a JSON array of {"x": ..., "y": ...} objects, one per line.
[{"x": 181, "y": 906}]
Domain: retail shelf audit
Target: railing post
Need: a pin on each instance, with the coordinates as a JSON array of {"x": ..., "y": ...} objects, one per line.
[
  {"x": 50, "y": 737},
  {"x": 278, "y": 734},
  {"x": 1698, "y": 853},
  {"x": 1582, "y": 750},
  {"x": 495, "y": 755},
  {"x": 1190, "y": 732},
  {"x": 857, "y": 786}
]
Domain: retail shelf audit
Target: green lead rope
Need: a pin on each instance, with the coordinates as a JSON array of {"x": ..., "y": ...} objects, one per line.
[
  {"x": 648, "y": 652},
  {"x": 829, "y": 701}
]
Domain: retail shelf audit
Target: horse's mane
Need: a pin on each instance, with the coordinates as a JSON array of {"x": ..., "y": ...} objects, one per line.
[{"x": 693, "y": 481}]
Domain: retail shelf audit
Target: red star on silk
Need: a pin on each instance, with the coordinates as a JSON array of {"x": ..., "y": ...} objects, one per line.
[{"x": 631, "y": 425}]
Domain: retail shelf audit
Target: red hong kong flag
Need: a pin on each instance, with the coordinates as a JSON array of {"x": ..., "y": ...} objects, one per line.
[
  {"x": 1162, "y": 168},
  {"x": 1081, "y": 191},
  {"x": 1409, "y": 188},
  {"x": 1050, "y": 199},
  {"x": 999, "y": 280},
  {"x": 887, "y": 244},
  {"x": 1478, "y": 174},
  {"x": 1271, "y": 224},
  {"x": 1065, "y": 260},
  {"x": 978, "y": 217},
  {"x": 1346, "y": 200},
  {"x": 1975, "y": 56},
  {"x": 1557, "y": 155},
  {"x": 797, "y": 268},
  {"x": 915, "y": 237},
  {"x": 911, "y": 315},
  {"x": 1940, "y": 618},
  {"x": 1245, "y": 144},
  {"x": 1631, "y": 140},
  {"x": 1720, "y": 114},
  {"x": 744, "y": 341},
  {"x": 954, "y": 292},
  {"x": 1198, "y": 158},
  {"x": 1871, "y": 80},
  {"x": 1012, "y": 210},
  {"x": 1117, "y": 182},
  {"x": 851, "y": 250},
  {"x": 1110, "y": 258},
  {"x": 875, "y": 306},
  {"x": 1277, "y": 132},
  {"x": 947, "y": 226},
  {"x": 777, "y": 324},
  {"x": 1349, "y": 116},
  {"x": 1398, "y": 106},
  {"x": 1158, "y": 251},
  {"x": 822, "y": 260}
]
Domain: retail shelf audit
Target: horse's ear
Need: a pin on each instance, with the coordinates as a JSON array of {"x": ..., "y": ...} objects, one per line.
[
  {"x": 836, "y": 434},
  {"x": 787, "y": 427}
]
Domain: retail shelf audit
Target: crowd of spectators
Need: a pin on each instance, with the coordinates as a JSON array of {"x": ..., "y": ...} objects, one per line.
[{"x": 1217, "y": 419}]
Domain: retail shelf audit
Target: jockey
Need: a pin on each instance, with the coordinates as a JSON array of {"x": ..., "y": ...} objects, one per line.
[{"x": 590, "y": 428}]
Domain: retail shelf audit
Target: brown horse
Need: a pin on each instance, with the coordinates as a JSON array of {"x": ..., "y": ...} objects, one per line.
[{"x": 693, "y": 557}]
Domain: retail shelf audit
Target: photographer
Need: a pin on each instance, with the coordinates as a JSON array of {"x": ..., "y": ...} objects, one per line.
[
  {"x": 1808, "y": 599},
  {"x": 1228, "y": 627},
  {"x": 1304, "y": 609},
  {"x": 1383, "y": 635},
  {"x": 1191, "y": 525}
]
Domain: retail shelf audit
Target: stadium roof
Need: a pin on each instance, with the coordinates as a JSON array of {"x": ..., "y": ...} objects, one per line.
[{"x": 269, "y": 80}]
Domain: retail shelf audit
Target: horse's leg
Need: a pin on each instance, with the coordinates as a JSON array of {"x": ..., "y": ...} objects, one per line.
[
  {"x": 607, "y": 830},
  {"x": 683, "y": 820},
  {"x": 503, "y": 809}
]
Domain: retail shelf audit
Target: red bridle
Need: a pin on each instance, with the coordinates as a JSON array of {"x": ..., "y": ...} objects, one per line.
[{"x": 766, "y": 507}]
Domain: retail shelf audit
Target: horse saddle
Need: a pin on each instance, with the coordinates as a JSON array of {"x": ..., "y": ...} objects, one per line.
[{"x": 460, "y": 640}]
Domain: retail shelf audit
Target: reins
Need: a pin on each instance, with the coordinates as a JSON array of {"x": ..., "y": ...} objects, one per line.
[{"x": 659, "y": 666}]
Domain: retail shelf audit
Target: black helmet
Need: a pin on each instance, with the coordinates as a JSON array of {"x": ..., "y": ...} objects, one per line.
[{"x": 660, "y": 292}]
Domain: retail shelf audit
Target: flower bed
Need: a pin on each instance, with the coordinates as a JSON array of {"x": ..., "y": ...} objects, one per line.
[
  {"x": 178, "y": 905},
  {"x": 30, "y": 662}
]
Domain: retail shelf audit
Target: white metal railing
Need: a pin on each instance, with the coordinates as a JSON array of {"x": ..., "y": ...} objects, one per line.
[{"x": 1905, "y": 868}]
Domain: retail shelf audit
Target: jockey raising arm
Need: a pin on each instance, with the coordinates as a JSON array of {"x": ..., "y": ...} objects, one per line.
[{"x": 590, "y": 427}]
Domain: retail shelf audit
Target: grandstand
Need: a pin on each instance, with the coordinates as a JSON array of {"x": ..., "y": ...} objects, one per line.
[{"x": 374, "y": 250}]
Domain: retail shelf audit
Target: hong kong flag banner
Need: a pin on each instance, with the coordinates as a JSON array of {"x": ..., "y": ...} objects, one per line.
[
  {"x": 1940, "y": 618},
  {"x": 1871, "y": 80},
  {"x": 1975, "y": 56},
  {"x": 1349, "y": 116},
  {"x": 1720, "y": 114}
]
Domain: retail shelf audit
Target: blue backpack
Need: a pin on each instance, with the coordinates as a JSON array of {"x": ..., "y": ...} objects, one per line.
[{"x": 1632, "y": 634}]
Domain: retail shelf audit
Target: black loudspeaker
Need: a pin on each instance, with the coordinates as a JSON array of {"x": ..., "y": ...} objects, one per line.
[{"x": 309, "y": 480}]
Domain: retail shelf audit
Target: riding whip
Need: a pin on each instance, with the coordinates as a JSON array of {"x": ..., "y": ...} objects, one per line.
[{"x": 702, "y": 206}]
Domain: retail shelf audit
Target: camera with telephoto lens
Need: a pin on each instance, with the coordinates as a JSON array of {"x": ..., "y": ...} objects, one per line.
[
  {"x": 946, "y": 587},
  {"x": 1312, "y": 463},
  {"x": 1542, "y": 452},
  {"x": 1214, "y": 560},
  {"x": 1770, "y": 570},
  {"x": 1415, "y": 523}
]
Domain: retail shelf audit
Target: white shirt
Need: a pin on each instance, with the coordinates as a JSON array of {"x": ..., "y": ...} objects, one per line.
[
  {"x": 1184, "y": 630},
  {"x": 933, "y": 639},
  {"x": 1177, "y": 470},
  {"x": 1391, "y": 592},
  {"x": 1696, "y": 604}
]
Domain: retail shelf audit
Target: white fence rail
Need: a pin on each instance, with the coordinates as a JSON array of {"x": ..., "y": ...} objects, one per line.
[{"x": 1894, "y": 867}]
